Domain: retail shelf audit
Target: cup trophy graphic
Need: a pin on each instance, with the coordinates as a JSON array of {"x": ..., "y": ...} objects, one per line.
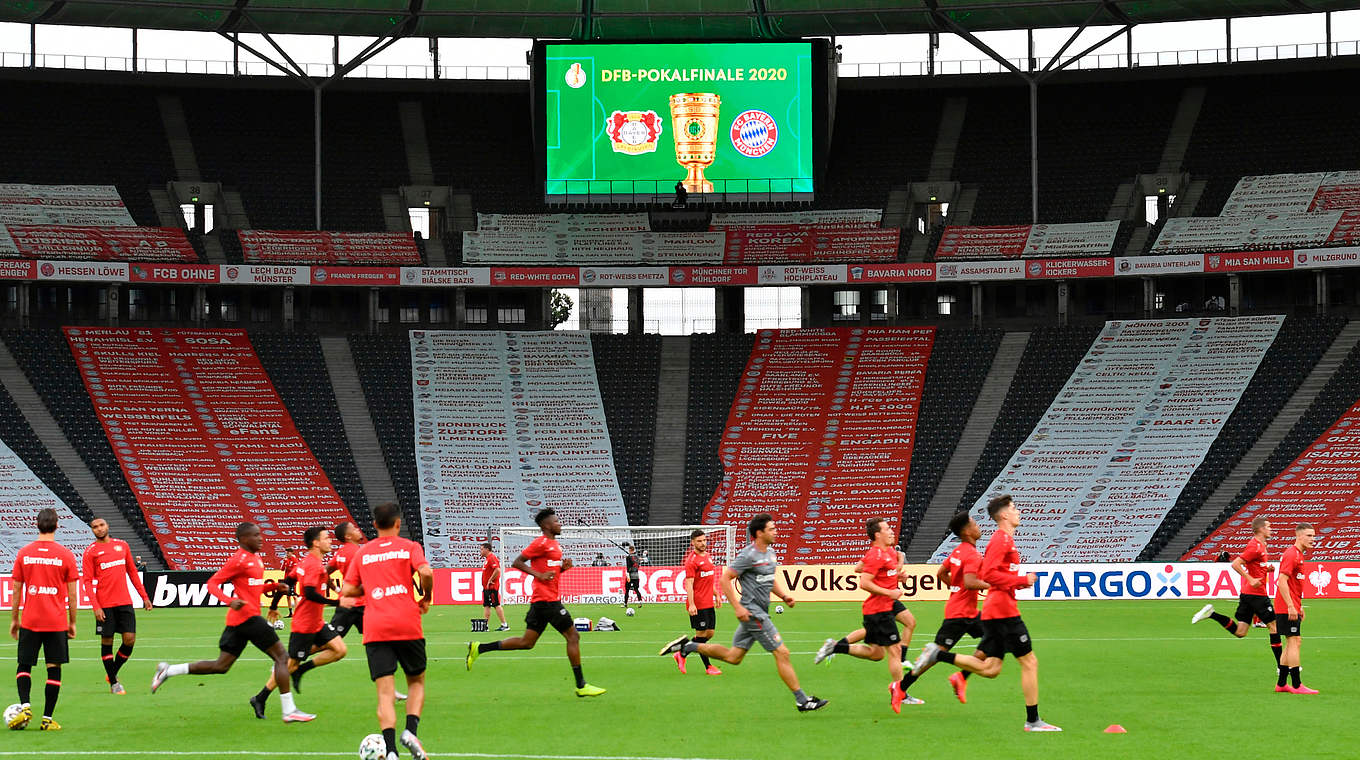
[{"x": 694, "y": 127}]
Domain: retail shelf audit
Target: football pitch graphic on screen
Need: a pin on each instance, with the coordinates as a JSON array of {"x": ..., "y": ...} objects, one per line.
[{"x": 718, "y": 118}]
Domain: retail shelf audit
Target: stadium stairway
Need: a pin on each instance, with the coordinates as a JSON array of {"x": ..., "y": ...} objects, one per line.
[
  {"x": 72, "y": 477},
  {"x": 357, "y": 421},
  {"x": 948, "y": 497},
  {"x": 672, "y": 410},
  {"x": 1229, "y": 493},
  {"x": 1182, "y": 127},
  {"x": 177, "y": 133},
  {"x": 417, "y": 144},
  {"x": 383, "y": 363}
]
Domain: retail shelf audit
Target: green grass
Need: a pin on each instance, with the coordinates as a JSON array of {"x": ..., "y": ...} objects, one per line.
[{"x": 1181, "y": 691}]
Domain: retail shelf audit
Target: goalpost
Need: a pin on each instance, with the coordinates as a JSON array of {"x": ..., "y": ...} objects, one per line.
[{"x": 597, "y": 555}]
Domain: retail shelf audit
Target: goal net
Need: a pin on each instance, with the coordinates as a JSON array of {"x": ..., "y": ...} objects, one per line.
[{"x": 598, "y": 575}]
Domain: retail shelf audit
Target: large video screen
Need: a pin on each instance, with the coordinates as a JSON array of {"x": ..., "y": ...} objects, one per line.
[{"x": 636, "y": 119}]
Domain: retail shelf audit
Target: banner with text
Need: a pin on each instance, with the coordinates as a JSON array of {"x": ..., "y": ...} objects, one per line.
[
  {"x": 85, "y": 205},
  {"x": 301, "y": 247},
  {"x": 1294, "y": 193},
  {"x": 554, "y": 223},
  {"x": 22, "y": 494},
  {"x": 96, "y": 243},
  {"x": 204, "y": 440},
  {"x": 1109, "y": 458},
  {"x": 770, "y": 244},
  {"x": 505, "y": 425},
  {"x": 1028, "y": 240},
  {"x": 820, "y": 435},
  {"x": 846, "y": 217},
  {"x": 1195, "y": 234},
  {"x": 601, "y": 248}
]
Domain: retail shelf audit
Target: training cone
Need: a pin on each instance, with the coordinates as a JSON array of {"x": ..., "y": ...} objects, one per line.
[{"x": 1115, "y": 728}]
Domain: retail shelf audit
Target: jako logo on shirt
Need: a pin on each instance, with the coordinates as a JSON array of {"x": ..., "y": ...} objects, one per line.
[
  {"x": 42, "y": 590},
  {"x": 379, "y": 593}
]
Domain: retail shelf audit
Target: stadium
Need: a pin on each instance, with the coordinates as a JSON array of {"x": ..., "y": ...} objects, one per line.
[{"x": 467, "y": 318}]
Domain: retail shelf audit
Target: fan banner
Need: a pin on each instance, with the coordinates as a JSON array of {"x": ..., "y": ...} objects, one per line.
[
  {"x": 22, "y": 494},
  {"x": 553, "y": 223},
  {"x": 83, "y": 205},
  {"x": 598, "y": 248},
  {"x": 771, "y": 244},
  {"x": 1321, "y": 487},
  {"x": 820, "y": 435},
  {"x": 1294, "y": 193},
  {"x": 1028, "y": 240},
  {"x": 505, "y": 425},
  {"x": 849, "y": 217},
  {"x": 203, "y": 439},
  {"x": 1266, "y": 232},
  {"x": 1110, "y": 456},
  {"x": 96, "y": 243},
  {"x": 302, "y": 247}
]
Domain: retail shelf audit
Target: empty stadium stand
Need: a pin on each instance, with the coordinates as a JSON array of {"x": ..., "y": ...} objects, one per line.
[
  {"x": 628, "y": 367},
  {"x": 384, "y": 364},
  {"x": 716, "y": 362},
  {"x": 19, "y": 436}
]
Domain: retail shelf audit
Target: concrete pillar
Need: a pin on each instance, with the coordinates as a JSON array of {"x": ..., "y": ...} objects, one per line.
[
  {"x": 1149, "y": 296},
  {"x": 729, "y": 304},
  {"x": 115, "y": 304},
  {"x": 1321, "y": 300},
  {"x": 893, "y": 294},
  {"x": 459, "y": 309},
  {"x": 808, "y": 318},
  {"x": 636, "y": 324},
  {"x": 1063, "y": 293},
  {"x": 595, "y": 312},
  {"x": 977, "y": 304},
  {"x": 25, "y": 304},
  {"x": 1234, "y": 295},
  {"x": 199, "y": 306},
  {"x": 372, "y": 310},
  {"x": 289, "y": 298}
]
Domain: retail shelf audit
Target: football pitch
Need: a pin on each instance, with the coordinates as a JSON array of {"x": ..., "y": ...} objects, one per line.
[{"x": 1181, "y": 691}]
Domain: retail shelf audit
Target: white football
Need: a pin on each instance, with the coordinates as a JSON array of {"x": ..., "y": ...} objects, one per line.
[
  {"x": 278, "y": 626},
  {"x": 373, "y": 748},
  {"x": 630, "y": 612},
  {"x": 11, "y": 713},
  {"x": 779, "y": 609}
]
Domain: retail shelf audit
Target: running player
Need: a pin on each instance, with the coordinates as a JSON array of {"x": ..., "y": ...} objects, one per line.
[
  {"x": 832, "y": 647},
  {"x": 1002, "y": 628},
  {"x": 108, "y": 565},
  {"x": 44, "y": 577},
  {"x": 288, "y": 587},
  {"x": 1253, "y": 602},
  {"x": 245, "y": 572},
  {"x": 349, "y": 611},
  {"x": 491, "y": 587},
  {"x": 701, "y": 598},
  {"x": 632, "y": 564},
  {"x": 1289, "y": 609},
  {"x": 311, "y": 634},
  {"x": 961, "y": 617},
  {"x": 755, "y": 569},
  {"x": 382, "y": 573},
  {"x": 542, "y": 560}
]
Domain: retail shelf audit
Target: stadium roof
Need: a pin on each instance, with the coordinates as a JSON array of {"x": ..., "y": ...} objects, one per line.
[{"x": 632, "y": 19}]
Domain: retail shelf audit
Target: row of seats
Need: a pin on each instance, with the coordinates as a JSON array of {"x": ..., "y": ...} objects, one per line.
[
  {"x": 629, "y": 368},
  {"x": 384, "y": 364},
  {"x": 19, "y": 436},
  {"x": 716, "y": 362}
]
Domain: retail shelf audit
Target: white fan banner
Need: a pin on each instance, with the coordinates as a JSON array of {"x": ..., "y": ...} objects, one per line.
[
  {"x": 22, "y": 494},
  {"x": 1113, "y": 452},
  {"x": 505, "y": 425},
  {"x": 549, "y": 223},
  {"x": 1294, "y": 193},
  {"x": 809, "y": 218}
]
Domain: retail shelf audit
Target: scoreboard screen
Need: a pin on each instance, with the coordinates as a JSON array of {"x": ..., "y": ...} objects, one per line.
[{"x": 629, "y": 120}]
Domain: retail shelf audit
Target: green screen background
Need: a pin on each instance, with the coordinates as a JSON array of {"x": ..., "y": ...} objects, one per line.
[{"x": 580, "y": 157}]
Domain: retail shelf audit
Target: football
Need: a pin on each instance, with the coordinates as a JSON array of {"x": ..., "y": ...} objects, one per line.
[
  {"x": 779, "y": 609},
  {"x": 11, "y": 714},
  {"x": 372, "y": 748},
  {"x": 630, "y": 612},
  {"x": 278, "y": 626}
]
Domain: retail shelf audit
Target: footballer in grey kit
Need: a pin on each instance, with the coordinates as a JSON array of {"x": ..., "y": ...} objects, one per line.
[{"x": 754, "y": 567}]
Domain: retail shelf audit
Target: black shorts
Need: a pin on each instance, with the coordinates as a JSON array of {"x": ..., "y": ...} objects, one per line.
[
  {"x": 346, "y": 618},
  {"x": 898, "y": 607},
  {"x": 120, "y": 619},
  {"x": 385, "y": 656},
  {"x": 54, "y": 646},
  {"x": 1005, "y": 635},
  {"x": 543, "y": 614},
  {"x": 1254, "y": 605},
  {"x": 634, "y": 583},
  {"x": 255, "y": 631},
  {"x": 300, "y": 644},
  {"x": 880, "y": 629},
  {"x": 1286, "y": 627},
  {"x": 704, "y": 620},
  {"x": 952, "y": 631},
  {"x": 491, "y": 597}
]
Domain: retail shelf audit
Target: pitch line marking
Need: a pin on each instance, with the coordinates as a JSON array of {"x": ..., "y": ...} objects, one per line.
[{"x": 249, "y": 753}]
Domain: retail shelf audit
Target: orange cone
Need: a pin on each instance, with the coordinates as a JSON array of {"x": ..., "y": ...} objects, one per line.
[{"x": 1115, "y": 728}]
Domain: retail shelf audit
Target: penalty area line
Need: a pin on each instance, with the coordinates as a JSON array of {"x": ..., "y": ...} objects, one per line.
[{"x": 250, "y": 753}]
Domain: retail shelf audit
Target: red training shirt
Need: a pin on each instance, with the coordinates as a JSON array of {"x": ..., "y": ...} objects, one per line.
[
  {"x": 289, "y": 566},
  {"x": 105, "y": 565},
  {"x": 882, "y": 564},
  {"x": 962, "y": 601},
  {"x": 1291, "y": 572},
  {"x": 245, "y": 572},
  {"x": 383, "y": 568},
  {"x": 341, "y": 561},
  {"x": 492, "y": 564},
  {"x": 307, "y": 614},
  {"x": 1254, "y": 559},
  {"x": 1000, "y": 568},
  {"x": 43, "y": 568},
  {"x": 544, "y": 554},
  {"x": 700, "y": 569}
]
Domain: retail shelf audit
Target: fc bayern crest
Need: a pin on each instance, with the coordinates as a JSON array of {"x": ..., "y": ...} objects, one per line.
[{"x": 754, "y": 133}]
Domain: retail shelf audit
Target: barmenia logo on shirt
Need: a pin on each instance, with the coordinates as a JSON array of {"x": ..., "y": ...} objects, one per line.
[{"x": 379, "y": 593}]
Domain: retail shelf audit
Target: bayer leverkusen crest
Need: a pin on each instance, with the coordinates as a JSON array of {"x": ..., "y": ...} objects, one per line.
[{"x": 633, "y": 132}]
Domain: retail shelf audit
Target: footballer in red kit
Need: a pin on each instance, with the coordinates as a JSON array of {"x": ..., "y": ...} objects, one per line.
[
  {"x": 961, "y": 571},
  {"x": 491, "y": 586},
  {"x": 701, "y": 598},
  {"x": 1003, "y": 630},
  {"x": 108, "y": 566},
  {"x": 42, "y": 585},
  {"x": 1289, "y": 610},
  {"x": 382, "y": 573},
  {"x": 349, "y": 613},
  {"x": 1254, "y": 601},
  {"x": 245, "y": 572},
  {"x": 542, "y": 560}
]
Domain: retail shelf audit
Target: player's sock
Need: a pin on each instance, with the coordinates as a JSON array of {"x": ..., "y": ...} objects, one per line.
[
  {"x": 303, "y": 668},
  {"x": 947, "y": 657},
  {"x": 263, "y": 696},
  {"x": 907, "y": 680},
  {"x": 120, "y": 659},
  {"x": 689, "y": 647},
  {"x": 106, "y": 655},
  {"x": 702, "y": 656},
  {"x": 1284, "y": 675},
  {"x": 580, "y": 677},
  {"x": 1032, "y": 713},
  {"x": 53, "y": 689},
  {"x": 390, "y": 738},
  {"x": 1295, "y": 677},
  {"x": 905, "y": 658},
  {"x": 412, "y": 723},
  {"x": 488, "y": 646},
  {"x": 966, "y": 673},
  {"x": 181, "y": 669},
  {"x": 1275, "y": 646},
  {"x": 799, "y": 696},
  {"x": 24, "y": 680},
  {"x": 286, "y": 701},
  {"x": 841, "y": 647},
  {"x": 1228, "y": 623}
]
